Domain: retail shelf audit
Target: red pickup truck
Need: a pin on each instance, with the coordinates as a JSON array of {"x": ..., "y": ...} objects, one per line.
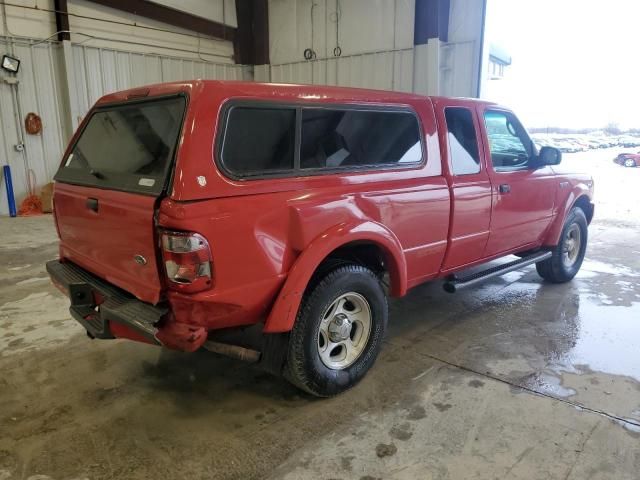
[{"x": 190, "y": 211}]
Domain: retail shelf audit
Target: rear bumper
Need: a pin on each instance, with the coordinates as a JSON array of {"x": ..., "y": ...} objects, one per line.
[
  {"x": 106, "y": 311},
  {"x": 103, "y": 309}
]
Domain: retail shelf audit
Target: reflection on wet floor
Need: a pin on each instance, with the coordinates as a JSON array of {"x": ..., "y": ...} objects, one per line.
[
  {"x": 576, "y": 342},
  {"x": 595, "y": 266},
  {"x": 608, "y": 338}
]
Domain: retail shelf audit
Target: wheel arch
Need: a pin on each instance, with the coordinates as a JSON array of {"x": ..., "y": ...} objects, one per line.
[
  {"x": 584, "y": 202},
  {"x": 579, "y": 197},
  {"x": 369, "y": 237}
]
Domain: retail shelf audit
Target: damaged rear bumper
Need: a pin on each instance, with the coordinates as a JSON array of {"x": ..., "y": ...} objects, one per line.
[{"x": 106, "y": 311}]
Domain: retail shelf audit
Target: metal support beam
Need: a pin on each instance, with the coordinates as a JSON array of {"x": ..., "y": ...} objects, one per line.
[
  {"x": 431, "y": 21},
  {"x": 426, "y": 68},
  {"x": 171, "y": 16},
  {"x": 62, "y": 19},
  {"x": 484, "y": 55},
  {"x": 252, "y": 39},
  {"x": 68, "y": 89}
]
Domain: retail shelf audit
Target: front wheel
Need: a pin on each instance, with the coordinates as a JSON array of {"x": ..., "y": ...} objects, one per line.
[
  {"x": 629, "y": 162},
  {"x": 338, "y": 331},
  {"x": 568, "y": 255}
]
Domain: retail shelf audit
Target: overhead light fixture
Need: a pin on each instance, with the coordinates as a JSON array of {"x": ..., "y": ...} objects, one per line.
[{"x": 10, "y": 64}]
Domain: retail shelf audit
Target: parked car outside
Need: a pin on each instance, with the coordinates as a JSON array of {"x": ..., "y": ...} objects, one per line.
[
  {"x": 187, "y": 211},
  {"x": 630, "y": 142},
  {"x": 628, "y": 159}
]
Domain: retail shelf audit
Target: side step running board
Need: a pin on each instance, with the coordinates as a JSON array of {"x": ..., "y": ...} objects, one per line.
[{"x": 455, "y": 283}]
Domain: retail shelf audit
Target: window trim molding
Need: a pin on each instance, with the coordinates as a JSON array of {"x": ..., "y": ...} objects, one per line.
[{"x": 297, "y": 171}]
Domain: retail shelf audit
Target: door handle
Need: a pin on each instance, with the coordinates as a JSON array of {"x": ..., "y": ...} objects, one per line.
[
  {"x": 504, "y": 188},
  {"x": 92, "y": 204}
]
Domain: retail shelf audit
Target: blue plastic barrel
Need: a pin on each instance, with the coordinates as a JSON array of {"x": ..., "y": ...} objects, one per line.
[{"x": 9, "y": 184}]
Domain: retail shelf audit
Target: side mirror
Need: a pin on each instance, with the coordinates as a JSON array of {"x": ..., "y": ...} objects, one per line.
[{"x": 549, "y": 156}]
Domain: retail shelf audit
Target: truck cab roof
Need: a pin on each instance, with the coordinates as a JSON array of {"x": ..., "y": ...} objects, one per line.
[{"x": 300, "y": 92}]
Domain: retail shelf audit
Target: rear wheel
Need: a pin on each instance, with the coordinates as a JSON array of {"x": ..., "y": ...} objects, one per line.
[
  {"x": 568, "y": 255},
  {"x": 629, "y": 162},
  {"x": 338, "y": 331}
]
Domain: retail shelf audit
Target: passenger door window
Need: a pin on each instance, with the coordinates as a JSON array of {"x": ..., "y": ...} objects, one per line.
[
  {"x": 510, "y": 145},
  {"x": 463, "y": 142}
]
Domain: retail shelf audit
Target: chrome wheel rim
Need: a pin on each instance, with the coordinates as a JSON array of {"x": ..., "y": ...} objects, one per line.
[
  {"x": 629, "y": 163},
  {"x": 571, "y": 248},
  {"x": 344, "y": 331}
]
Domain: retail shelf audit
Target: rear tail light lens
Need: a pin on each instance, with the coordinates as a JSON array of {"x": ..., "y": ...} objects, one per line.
[{"x": 187, "y": 261}]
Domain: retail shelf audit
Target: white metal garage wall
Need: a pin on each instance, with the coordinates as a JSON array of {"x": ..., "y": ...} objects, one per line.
[
  {"x": 375, "y": 38},
  {"x": 38, "y": 91},
  {"x": 388, "y": 70},
  {"x": 386, "y": 28},
  {"x": 460, "y": 57},
  {"x": 99, "y": 70}
]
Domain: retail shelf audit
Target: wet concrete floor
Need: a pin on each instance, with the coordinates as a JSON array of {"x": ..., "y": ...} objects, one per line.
[{"x": 514, "y": 379}]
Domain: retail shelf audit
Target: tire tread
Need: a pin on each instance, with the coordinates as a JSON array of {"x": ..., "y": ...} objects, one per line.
[
  {"x": 296, "y": 370},
  {"x": 553, "y": 269}
]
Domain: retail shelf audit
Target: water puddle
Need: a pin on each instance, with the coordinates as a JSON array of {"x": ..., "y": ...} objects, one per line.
[
  {"x": 549, "y": 384},
  {"x": 596, "y": 266},
  {"x": 605, "y": 337},
  {"x": 630, "y": 425}
]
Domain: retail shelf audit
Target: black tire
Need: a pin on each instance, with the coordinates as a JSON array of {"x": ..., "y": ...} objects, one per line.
[
  {"x": 305, "y": 369},
  {"x": 555, "y": 269},
  {"x": 629, "y": 163}
]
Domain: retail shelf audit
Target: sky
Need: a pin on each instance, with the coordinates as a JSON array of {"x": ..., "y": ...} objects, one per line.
[{"x": 576, "y": 63}]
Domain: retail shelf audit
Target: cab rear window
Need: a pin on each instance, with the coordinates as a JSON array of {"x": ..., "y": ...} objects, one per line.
[{"x": 126, "y": 147}]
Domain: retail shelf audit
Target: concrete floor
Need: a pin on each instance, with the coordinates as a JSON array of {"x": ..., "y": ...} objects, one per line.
[{"x": 515, "y": 379}]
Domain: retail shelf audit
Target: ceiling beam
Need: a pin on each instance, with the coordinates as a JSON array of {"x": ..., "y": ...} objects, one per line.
[{"x": 171, "y": 16}]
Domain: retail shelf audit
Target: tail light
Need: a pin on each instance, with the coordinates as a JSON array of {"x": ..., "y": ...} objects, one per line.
[{"x": 187, "y": 261}]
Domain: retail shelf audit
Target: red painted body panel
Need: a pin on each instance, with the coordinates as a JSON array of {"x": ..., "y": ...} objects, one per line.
[
  {"x": 267, "y": 236},
  {"x": 520, "y": 217},
  {"x": 470, "y": 214},
  {"x": 283, "y": 314},
  {"x": 572, "y": 187},
  {"x": 105, "y": 242}
]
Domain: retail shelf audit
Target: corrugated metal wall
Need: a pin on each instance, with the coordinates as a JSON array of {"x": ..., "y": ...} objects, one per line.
[
  {"x": 377, "y": 43},
  {"x": 96, "y": 72},
  {"x": 389, "y": 70},
  {"x": 99, "y": 71},
  {"x": 38, "y": 92},
  {"x": 458, "y": 69}
]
